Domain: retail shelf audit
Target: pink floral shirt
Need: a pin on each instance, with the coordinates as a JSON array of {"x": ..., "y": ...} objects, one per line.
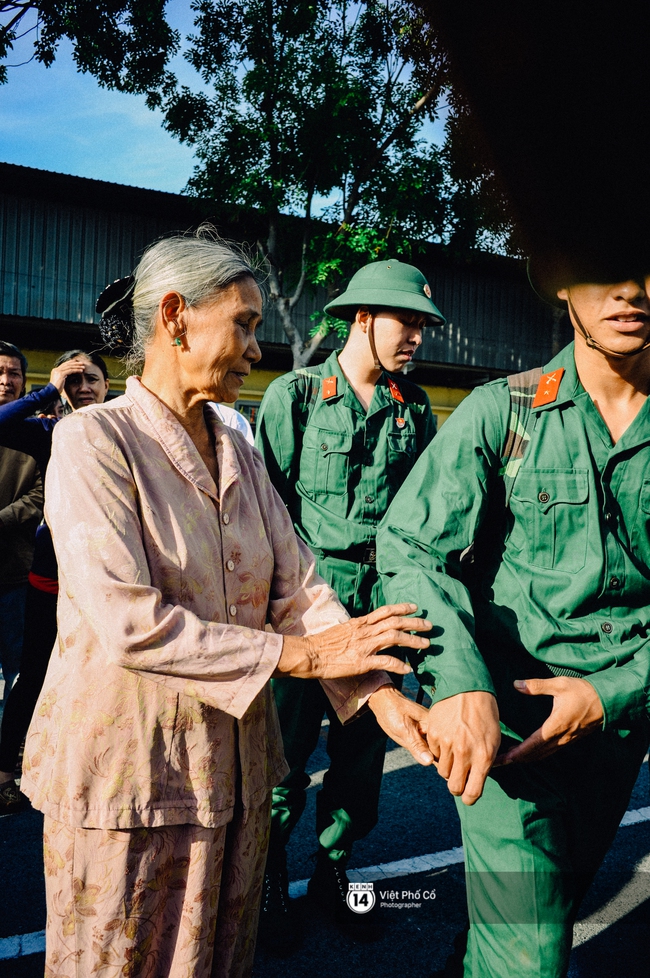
[{"x": 156, "y": 708}]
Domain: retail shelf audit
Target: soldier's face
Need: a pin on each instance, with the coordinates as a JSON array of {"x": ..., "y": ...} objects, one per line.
[
  {"x": 398, "y": 334},
  {"x": 616, "y": 315}
]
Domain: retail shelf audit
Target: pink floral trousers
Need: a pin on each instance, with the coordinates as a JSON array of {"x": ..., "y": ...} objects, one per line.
[{"x": 175, "y": 902}]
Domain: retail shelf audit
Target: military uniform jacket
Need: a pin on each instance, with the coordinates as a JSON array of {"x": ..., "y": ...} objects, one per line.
[
  {"x": 563, "y": 573},
  {"x": 337, "y": 467}
]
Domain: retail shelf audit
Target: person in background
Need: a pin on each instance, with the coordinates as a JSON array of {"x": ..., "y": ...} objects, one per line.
[
  {"x": 21, "y": 508},
  {"x": 338, "y": 441},
  {"x": 174, "y": 551},
  {"x": 234, "y": 419},
  {"x": 82, "y": 379}
]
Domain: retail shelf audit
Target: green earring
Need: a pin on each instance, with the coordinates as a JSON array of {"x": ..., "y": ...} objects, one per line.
[{"x": 176, "y": 341}]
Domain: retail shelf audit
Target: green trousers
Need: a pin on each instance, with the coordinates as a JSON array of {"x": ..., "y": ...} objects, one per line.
[
  {"x": 534, "y": 842},
  {"x": 347, "y": 804}
]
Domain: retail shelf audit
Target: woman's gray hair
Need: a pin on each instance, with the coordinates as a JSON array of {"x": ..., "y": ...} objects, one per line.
[{"x": 198, "y": 266}]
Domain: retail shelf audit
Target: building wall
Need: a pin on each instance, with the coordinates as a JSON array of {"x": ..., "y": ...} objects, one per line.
[{"x": 63, "y": 239}]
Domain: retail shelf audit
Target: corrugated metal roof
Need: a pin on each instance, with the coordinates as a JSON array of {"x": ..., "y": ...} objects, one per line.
[
  {"x": 56, "y": 257},
  {"x": 493, "y": 321}
]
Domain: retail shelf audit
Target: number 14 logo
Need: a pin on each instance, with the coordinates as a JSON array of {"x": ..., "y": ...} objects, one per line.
[{"x": 360, "y": 897}]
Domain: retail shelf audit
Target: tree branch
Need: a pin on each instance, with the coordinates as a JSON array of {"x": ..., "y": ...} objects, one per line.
[
  {"x": 22, "y": 10},
  {"x": 355, "y": 192},
  {"x": 295, "y": 298},
  {"x": 310, "y": 348}
]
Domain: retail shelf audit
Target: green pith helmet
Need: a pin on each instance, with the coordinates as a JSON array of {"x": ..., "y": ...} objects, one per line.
[
  {"x": 551, "y": 270},
  {"x": 388, "y": 284}
]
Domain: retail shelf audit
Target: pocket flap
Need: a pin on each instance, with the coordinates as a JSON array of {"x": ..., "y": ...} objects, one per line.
[
  {"x": 546, "y": 487},
  {"x": 326, "y": 442},
  {"x": 644, "y": 498},
  {"x": 402, "y": 441}
]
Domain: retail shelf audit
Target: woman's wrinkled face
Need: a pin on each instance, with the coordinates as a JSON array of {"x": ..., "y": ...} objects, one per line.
[
  {"x": 86, "y": 388},
  {"x": 219, "y": 345}
]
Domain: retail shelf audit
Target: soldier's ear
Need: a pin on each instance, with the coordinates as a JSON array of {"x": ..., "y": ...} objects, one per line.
[{"x": 363, "y": 318}]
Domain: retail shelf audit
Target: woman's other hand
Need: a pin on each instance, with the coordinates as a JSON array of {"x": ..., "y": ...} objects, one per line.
[
  {"x": 351, "y": 649},
  {"x": 403, "y": 720}
]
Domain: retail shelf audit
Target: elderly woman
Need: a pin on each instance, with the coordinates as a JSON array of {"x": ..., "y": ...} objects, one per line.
[{"x": 155, "y": 744}]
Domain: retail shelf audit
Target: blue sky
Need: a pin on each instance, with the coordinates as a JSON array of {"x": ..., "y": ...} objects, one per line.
[{"x": 58, "y": 119}]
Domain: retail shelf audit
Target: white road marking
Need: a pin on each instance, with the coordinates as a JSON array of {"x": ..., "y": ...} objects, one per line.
[
  {"x": 635, "y": 892},
  {"x": 448, "y": 857},
  {"x": 395, "y": 761},
  {"x": 22, "y": 945},
  {"x": 387, "y": 871}
]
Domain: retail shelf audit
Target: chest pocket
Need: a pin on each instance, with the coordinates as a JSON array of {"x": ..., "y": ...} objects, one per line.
[
  {"x": 402, "y": 451},
  {"x": 325, "y": 461},
  {"x": 551, "y": 517},
  {"x": 640, "y": 539}
]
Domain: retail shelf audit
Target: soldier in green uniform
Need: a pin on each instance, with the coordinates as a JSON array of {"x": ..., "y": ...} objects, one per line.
[
  {"x": 338, "y": 441},
  {"x": 540, "y": 651}
]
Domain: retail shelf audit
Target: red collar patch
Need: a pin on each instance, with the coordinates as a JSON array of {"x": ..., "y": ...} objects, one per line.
[
  {"x": 395, "y": 392},
  {"x": 548, "y": 387},
  {"x": 329, "y": 387}
]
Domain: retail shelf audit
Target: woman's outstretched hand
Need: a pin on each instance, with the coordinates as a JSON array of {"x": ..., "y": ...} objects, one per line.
[{"x": 351, "y": 649}]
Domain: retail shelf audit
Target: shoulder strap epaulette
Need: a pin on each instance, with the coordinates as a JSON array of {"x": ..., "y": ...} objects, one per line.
[
  {"x": 309, "y": 383},
  {"x": 523, "y": 388}
]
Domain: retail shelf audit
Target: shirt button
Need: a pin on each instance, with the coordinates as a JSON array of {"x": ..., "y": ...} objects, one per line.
[
  {"x": 324, "y": 447},
  {"x": 233, "y": 610},
  {"x": 615, "y": 583},
  {"x": 230, "y": 564},
  {"x": 609, "y": 517},
  {"x": 226, "y": 519},
  {"x": 606, "y": 627},
  {"x": 370, "y": 499},
  {"x": 543, "y": 497}
]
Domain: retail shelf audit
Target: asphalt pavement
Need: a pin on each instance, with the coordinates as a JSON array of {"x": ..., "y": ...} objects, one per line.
[{"x": 417, "y": 818}]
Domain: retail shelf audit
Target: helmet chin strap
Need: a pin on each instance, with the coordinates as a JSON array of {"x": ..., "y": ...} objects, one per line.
[
  {"x": 373, "y": 347},
  {"x": 595, "y": 345}
]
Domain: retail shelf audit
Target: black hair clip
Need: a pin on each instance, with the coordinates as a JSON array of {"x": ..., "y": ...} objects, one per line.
[
  {"x": 117, "y": 292},
  {"x": 115, "y": 305}
]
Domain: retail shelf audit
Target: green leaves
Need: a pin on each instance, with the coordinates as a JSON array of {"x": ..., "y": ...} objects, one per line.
[{"x": 125, "y": 44}]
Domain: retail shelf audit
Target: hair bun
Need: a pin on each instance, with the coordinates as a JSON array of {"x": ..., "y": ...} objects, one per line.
[{"x": 117, "y": 325}]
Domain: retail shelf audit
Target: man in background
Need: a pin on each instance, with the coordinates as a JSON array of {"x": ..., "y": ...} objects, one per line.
[
  {"x": 338, "y": 441},
  {"x": 21, "y": 508}
]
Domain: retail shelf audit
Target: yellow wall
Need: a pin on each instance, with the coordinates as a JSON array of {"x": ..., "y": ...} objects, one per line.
[{"x": 443, "y": 399}]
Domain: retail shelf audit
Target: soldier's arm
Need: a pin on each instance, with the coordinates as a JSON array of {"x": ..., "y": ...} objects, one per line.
[
  {"x": 278, "y": 437},
  {"x": 435, "y": 516}
]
